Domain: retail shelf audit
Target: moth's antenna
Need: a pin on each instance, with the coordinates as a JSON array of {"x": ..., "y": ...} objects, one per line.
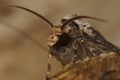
[
  {"x": 35, "y": 13},
  {"x": 80, "y": 17},
  {"x": 26, "y": 35}
]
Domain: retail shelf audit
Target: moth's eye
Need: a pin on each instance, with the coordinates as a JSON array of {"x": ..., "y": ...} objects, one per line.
[{"x": 64, "y": 39}]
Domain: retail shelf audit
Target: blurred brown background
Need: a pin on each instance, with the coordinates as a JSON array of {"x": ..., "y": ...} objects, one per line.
[{"x": 20, "y": 57}]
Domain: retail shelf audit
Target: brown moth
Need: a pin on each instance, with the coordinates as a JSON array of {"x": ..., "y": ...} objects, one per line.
[{"x": 74, "y": 39}]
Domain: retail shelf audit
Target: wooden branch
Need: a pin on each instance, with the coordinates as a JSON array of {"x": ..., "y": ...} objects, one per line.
[{"x": 103, "y": 67}]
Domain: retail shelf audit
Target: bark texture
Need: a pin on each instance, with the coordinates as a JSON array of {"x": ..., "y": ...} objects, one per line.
[{"x": 103, "y": 67}]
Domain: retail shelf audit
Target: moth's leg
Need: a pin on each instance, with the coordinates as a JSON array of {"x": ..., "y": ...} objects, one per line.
[{"x": 50, "y": 58}]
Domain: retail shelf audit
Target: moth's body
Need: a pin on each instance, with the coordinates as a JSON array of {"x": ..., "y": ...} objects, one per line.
[
  {"x": 77, "y": 41},
  {"x": 73, "y": 40}
]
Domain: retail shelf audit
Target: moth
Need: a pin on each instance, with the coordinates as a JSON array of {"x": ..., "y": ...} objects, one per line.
[{"x": 74, "y": 39}]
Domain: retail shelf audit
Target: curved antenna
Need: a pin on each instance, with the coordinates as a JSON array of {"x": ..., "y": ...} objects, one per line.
[
  {"x": 80, "y": 17},
  {"x": 25, "y": 35},
  {"x": 33, "y": 12}
]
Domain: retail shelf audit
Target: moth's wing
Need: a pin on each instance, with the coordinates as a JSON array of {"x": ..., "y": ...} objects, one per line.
[
  {"x": 103, "y": 42},
  {"x": 97, "y": 44},
  {"x": 87, "y": 48}
]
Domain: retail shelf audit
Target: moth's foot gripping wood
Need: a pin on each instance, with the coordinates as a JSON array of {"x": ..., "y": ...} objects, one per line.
[{"x": 103, "y": 67}]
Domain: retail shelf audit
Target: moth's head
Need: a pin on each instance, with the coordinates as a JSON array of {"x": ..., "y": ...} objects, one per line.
[
  {"x": 58, "y": 37},
  {"x": 68, "y": 29},
  {"x": 57, "y": 32}
]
